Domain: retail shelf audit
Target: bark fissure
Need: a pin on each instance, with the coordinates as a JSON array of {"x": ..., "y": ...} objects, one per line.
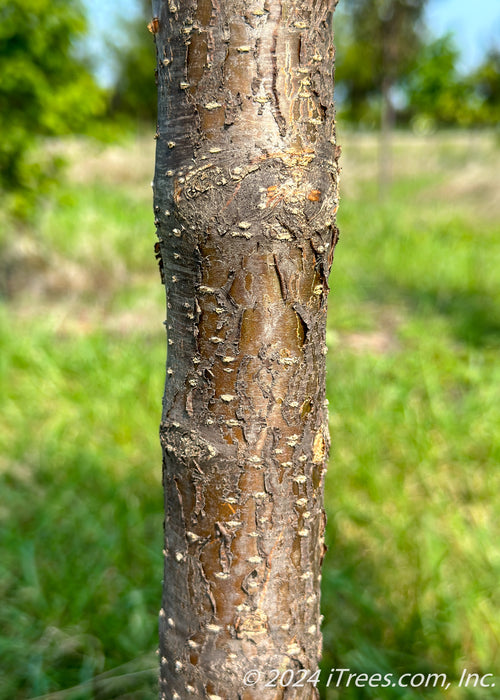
[{"x": 245, "y": 199}]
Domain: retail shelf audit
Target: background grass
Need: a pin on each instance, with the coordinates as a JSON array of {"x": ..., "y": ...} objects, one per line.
[{"x": 411, "y": 576}]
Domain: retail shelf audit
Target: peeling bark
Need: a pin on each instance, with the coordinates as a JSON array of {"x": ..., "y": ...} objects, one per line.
[{"x": 245, "y": 196}]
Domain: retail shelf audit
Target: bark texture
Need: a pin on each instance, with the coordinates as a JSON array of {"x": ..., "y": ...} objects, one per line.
[{"x": 245, "y": 195}]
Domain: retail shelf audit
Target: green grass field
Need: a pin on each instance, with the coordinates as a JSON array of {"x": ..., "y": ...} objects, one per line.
[{"x": 413, "y": 491}]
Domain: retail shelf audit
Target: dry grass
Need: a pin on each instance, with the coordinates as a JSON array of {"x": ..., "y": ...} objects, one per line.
[
  {"x": 462, "y": 167},
  {"x": 129, "y": 163}
]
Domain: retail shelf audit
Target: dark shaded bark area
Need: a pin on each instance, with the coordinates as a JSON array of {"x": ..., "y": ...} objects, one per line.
[{"x": 245, "y": 196}]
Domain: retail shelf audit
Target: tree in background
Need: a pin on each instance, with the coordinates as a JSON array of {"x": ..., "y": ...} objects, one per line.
[
  {"x": 245, "y": 196},
  {"x": 435, "y": 91},
  {"x": 385, "y": 38},
  {"x": 378, "y": 42},
  {"x": 45, "y": 90},
  {"x": 134, "y": 93},
  {"x": 485, "y": 81},
  {"x": 438, "y": 94}
]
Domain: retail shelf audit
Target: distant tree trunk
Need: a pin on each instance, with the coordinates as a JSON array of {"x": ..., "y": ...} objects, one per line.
[
  {"x": 387, "y": 116},
  {"x": 387, "y": 119},
  {"x": 245, "y": 195}
]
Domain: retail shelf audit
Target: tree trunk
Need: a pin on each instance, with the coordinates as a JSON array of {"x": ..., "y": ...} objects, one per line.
[
  {"x": 245, "y": 195},
  {"x": 387, "y": 120},
  {"x": 390, "y": 57}
]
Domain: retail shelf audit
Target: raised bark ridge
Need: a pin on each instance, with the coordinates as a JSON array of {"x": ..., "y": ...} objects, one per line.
[{"x": 245, "y": 196}]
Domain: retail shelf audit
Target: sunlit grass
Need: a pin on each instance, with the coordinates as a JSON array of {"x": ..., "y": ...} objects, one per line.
[
  {"x": 410, "y": 578},
  {"x": 81, "y": 506}
]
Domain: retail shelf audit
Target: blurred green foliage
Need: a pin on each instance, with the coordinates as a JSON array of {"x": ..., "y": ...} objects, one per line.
[
  {"x": 438, "y": 95},
  {"x": 435, "y": 90},
  {"x": 377, "y": 43},
  {"x": 486, "y": 83},
  {"x": 46, "y": 89},
  {"x": 134, "y": 91},
  {"x": 388, "y": 41}
]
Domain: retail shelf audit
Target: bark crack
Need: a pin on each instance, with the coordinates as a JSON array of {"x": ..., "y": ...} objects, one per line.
[{"x": 278, "y": 116}]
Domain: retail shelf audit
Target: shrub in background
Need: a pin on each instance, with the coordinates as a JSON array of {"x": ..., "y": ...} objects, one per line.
[{"x": 46, "y": 89}]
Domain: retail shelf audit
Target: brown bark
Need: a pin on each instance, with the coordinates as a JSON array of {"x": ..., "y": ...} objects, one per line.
[{"x": 245, "y": 195}]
